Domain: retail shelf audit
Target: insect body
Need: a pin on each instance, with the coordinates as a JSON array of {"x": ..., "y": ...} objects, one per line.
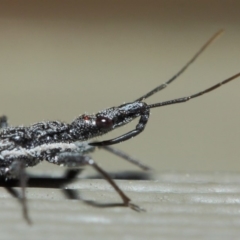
[{"x": 66, "y": 144}]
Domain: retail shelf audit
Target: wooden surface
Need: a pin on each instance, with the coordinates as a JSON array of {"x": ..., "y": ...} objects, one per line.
[{"x": 178, "y": 206}]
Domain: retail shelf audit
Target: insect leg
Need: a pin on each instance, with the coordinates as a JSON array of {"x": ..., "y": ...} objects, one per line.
[
  {"x": 78, "y": 160},
  {"x": 17, "y": 170},
  {"x": 3, "y": 122},
  {"x": 139, "y": 128},
  {"x": 125, "y": 156}
]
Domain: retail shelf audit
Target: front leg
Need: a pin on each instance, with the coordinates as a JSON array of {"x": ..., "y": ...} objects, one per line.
[{"x": 77, "y": 160}]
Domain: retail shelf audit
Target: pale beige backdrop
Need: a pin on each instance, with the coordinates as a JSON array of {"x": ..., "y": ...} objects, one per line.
[{"x": 59, "y": 59}]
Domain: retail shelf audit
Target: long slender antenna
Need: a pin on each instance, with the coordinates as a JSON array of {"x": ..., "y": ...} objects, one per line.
[
  {"x": 164, "y": 85},
  {"x": 185, "y": 99}
]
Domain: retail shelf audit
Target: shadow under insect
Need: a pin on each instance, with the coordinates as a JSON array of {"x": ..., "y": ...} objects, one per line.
[{"x": 70, "y": 176}]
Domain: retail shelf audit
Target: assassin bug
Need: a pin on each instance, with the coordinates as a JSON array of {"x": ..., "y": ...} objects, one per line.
[{"x": 66, "y": 144}]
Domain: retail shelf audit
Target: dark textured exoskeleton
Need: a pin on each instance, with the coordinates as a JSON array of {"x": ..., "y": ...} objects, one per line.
[{"x": 66, "y": 144}]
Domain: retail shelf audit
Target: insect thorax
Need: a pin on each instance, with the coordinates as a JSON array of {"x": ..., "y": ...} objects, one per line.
[{"x": 40, "y": 141}]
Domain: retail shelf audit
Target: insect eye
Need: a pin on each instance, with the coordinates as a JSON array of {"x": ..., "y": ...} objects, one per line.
[{"x": 104, "y": 122}]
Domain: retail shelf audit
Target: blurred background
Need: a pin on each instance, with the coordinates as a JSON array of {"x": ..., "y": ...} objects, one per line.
[{"x": 60, "y": 59}]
